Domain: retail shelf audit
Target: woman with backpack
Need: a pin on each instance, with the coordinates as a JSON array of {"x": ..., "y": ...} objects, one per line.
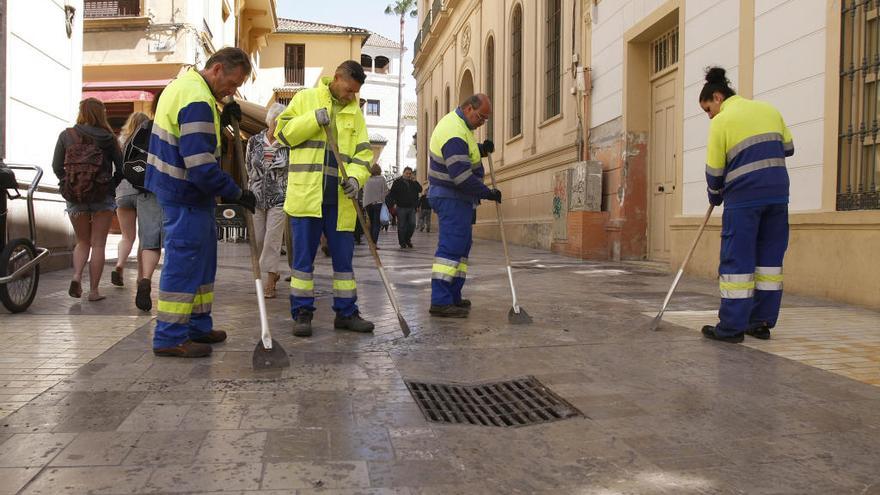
[
  {"x": 87, "y": 162},
  {"x": 126, "y": 203}
]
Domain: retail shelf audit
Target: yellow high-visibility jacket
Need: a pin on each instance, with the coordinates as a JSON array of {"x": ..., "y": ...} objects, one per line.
[{"x": 298, "y": 128}]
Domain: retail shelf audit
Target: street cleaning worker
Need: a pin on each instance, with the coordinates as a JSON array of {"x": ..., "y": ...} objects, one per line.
[
  {"x": 456, "y": 188},
  {"x": 745, "y": 170},
  {"x": 184, "y": 173},
  {"x": 317, "y": 200}
]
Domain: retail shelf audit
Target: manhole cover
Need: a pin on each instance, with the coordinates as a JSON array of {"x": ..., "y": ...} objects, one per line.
[{"x": 518, "y": 402}]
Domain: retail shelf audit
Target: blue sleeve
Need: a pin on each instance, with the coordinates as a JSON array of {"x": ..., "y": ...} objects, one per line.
[
  {"x": 458, "y": 163},
  {"x": 714, "y": 185},
  {"x": 198, "y": 142}
]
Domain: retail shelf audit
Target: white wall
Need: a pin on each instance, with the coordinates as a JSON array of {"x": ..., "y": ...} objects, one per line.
[
  {"x": 709, "y": 39},
  {"x": 383, "y": 87},
  {"x": 789, "y": 71},
  {"x": 612, "y": 20},
  {"x": 44, "y": 80}
]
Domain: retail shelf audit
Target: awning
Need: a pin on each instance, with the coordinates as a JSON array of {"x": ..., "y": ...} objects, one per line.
[
  {"x": 124, "y": 95},
  {"x": 142, "y": 84}
]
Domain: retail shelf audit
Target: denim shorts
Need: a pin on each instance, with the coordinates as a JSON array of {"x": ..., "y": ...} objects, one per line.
[
  {"x": 109, "y": 204},
  {"x": 149, "y": 220},
  {"x": 128, "y": 201}
]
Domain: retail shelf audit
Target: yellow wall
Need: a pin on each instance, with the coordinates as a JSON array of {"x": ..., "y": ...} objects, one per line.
[{"x": 323, "y": 54}]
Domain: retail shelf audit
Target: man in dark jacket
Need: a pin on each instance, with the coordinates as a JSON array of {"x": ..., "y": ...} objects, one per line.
[
  {"x": 424, "y": 212},
  {"x": 405, "y": 195}
]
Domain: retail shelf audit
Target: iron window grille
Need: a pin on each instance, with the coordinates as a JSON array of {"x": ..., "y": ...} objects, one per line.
[
  {"x": 858, "y": 166},
  {"x": 553, "y": 28},
  {"x": 516, "y": 73},
  {"x": 664, "y": 51},
  {"x": 295, "y": 64},
  {"x": 95, "y": 9}
]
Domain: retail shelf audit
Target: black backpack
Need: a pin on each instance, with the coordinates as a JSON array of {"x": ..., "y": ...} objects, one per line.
[{"x": 134, "y": 157}]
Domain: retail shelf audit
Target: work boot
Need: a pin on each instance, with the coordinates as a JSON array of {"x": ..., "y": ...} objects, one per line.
[
  {"x": 762, "y": 332},
  {"x": 213, "y": 337},
  {"x": 464, "y": 303},
  {"x": 188, "y": 349},
  {"x": 142, "y": 299},
  {"x": 269, "y": 290},
  {"x": 353, "y": 322},
  {"x": 448, "y": 311},
  {"x": 302, "y": 324},
  {"x": 709, "y": 333},
  {"x": 116, "y": 277}
]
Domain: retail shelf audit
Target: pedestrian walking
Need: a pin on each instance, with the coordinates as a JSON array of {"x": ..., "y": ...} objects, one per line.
[
  {"x": 424, "y": 212},
  {"x": 87, "y": 162},
  {"x": 405, "y": 196},
  {"x": 266, "y": 162},
  {"x": 456, "y": 188},
  {"x": 185, "y": 175},
  {"x": 126, "y": 202},
  {"x": 317, "y": 200},
  {"x": 374, "y": 197},
  {"x": 745, "y": 170}
]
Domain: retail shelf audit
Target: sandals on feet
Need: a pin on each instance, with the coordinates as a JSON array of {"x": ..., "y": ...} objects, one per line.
[{"x": 75, "y": 289}]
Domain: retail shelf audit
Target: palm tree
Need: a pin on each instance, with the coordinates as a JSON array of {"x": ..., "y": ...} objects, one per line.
[{"x": 401, "y": 8}]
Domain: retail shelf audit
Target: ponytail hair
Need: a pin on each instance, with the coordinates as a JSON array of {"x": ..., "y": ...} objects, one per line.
[{"x": 716, "y": 82}]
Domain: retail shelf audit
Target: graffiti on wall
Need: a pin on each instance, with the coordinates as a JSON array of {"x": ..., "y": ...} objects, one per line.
[{"x": 561, "y": 186}]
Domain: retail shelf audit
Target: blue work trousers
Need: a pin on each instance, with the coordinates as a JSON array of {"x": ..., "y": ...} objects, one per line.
[
  {"x": 753, "y": 244},
  {"x": 306, "y": 233},
  {"x": 186, "y": 286},
  {"x": 450, "y": 266}
]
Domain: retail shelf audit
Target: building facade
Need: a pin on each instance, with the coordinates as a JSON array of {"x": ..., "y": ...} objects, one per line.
[
  {"x": 42, "y": 68},
  {"x": 644, "y": 63},
  {"x": 380, "y": 58},
  {"x": 298, "y": 53},
  {"x": 133, "y": 48},
  {"x": 504, "y": 48}
]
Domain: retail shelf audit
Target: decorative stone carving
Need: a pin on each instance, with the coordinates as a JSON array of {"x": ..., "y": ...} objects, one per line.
[{"x": 465, "y": 40}]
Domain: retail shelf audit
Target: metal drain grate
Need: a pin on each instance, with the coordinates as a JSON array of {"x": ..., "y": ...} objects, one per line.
[{"x": 518, "y": 402}]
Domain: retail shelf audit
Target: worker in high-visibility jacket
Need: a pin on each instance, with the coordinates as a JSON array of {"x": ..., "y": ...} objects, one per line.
[
  {"x": 745, "y": 169},
  {"x": 318, "y": 200},
  {"x": 455, "y": 175},
  {"x": 184, "y": 172}
]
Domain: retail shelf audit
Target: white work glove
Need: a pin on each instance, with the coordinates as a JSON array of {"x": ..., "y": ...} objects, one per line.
[
  {"x": 322, "y": 117},
  {"x": 350, "y": 187}
]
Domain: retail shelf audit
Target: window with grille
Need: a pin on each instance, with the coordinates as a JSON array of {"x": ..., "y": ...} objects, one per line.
[
  {"x": 490, "y": 83},
  {"x": 372, "y": 107},
  {"x": 858, "y": 168},
  {"x": 552, "y": 32},
  {"x": 664, "y": 51},
  {"x": 295, "y": 64},
  {"x": 284, "y": 100},
  {"x": 516, "y": 72},
  {"x": 111, "y": 8}
]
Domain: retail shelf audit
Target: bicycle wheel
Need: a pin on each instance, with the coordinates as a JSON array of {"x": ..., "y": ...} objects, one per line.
[{"x": 18, "y": 295}]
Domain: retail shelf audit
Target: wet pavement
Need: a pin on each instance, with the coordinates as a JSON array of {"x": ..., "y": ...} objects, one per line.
[{"x": 89, "y": 409}]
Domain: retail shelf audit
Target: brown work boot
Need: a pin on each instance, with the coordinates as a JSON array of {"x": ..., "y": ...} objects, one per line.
[
  {"x": 188, "y": 349},
  {"x": 269, "y": 289},
  {"x": 448, "y": 311},
  {"x": 214, "y": 337}
]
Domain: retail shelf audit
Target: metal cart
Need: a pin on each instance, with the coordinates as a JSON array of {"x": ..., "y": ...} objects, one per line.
[{"x": 19, "y": 258}]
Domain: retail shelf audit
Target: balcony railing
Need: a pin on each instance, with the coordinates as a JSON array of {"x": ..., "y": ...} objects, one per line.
[{"x": 95, "y": 9}]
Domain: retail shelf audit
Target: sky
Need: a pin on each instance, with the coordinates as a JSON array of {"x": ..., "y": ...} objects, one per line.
[{"x": 366, "y": 14}]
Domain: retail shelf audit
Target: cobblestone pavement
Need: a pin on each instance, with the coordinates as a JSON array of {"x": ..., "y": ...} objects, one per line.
[{"x": 89, "y": 409}]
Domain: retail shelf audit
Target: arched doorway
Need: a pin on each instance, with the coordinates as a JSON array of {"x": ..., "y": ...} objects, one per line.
[{"x": 466, "y": 88}]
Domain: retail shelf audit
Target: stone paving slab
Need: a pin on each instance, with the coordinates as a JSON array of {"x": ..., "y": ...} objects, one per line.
[{"x": 664, "y": 412}]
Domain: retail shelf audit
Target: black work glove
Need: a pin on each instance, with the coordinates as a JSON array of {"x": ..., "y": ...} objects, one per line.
[
  {"x": 494, "y": 195},
  {"x": 486, "y": 147},
  {"x": 246, "y": 199},
  {"x": 715, "y": 199},
  {"x": 230, "y": 110}
]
